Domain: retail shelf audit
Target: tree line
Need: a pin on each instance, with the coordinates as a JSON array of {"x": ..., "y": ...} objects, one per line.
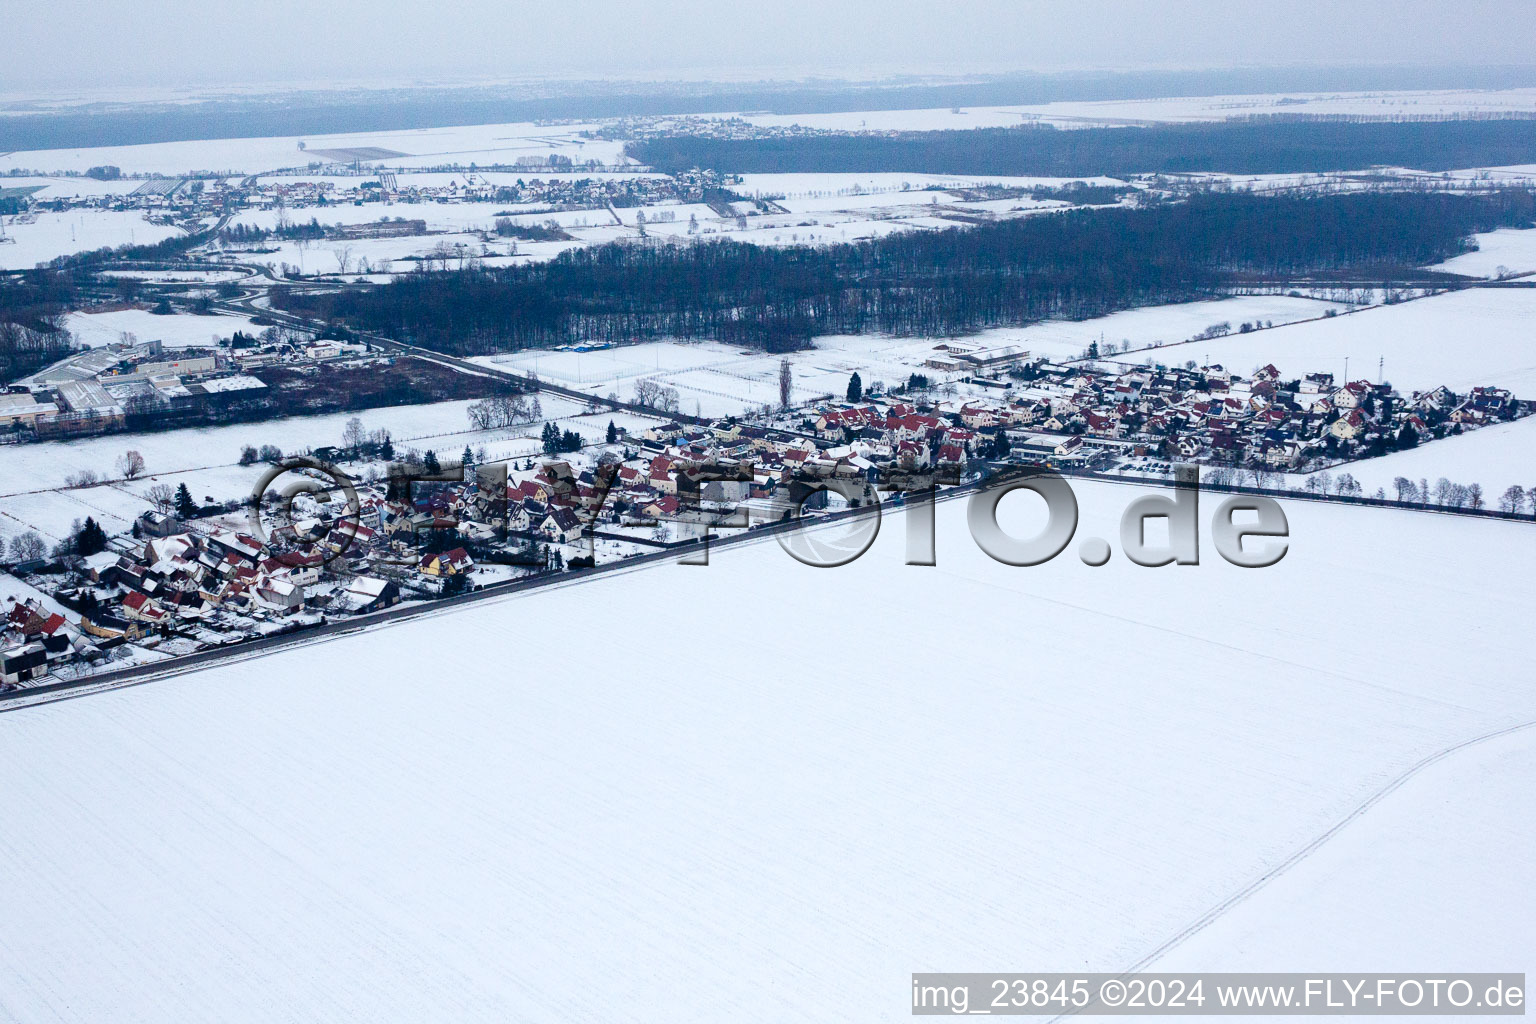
[
  {"x": 1072, "y": 265},
  {"x": 1274, "y": 145},
  {"x": 32, "y": 309}
]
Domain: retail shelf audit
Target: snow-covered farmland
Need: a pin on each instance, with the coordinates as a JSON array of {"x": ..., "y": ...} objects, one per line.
[
  {"x": 381, "y": 255},
  {"x": 1098, "y": 113},
  {"x": 722, "y": 380},
  {"x": 71, "y": 186},
  {"x": 49, "y": 235},
  {"x": 426, "y": 147},
  {"x": 1068, "y": 766},
  {"x": 438, "y": 216},
  {"x": 1425, "y": 876},
  {"x": 1152, "y": 326},
  {"x": 1507, "y": 251},
  {"x": 1496, "y": 457},
  {"x": 884, "y": 185},
  {"x": 1461, "y": 339}
]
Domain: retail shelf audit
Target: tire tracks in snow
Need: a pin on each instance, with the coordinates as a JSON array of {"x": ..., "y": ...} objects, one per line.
[{"x": 1392, "y": 785}]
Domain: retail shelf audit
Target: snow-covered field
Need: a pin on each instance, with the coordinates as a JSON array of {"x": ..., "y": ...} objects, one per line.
[
  {"x": 426, "y": 147},
  {"x": 381, "y": 255},
  {"x": 885, "y": 184},
  {"x": 439, "y": 216},
  {"x": 1507, "y": 251},
  {"x": 1423, "y": 877},
  {"x": 829, "y": 208},
  {"x": 1159, "y": 325},
  {"x": 722, "y": 380},
  {"x": 1089, "y": 113},
  {"x": 71, "y": 186},
  {"x": 1067, "y": 766},
  {"x": 1460, "y": 339},
  {"x": 59, "y": 234},
  {"x": 180, "y": 330},
  {"x": 1496, "y": 457}
]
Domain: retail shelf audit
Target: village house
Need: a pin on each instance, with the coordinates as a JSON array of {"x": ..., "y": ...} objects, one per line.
[
  {"x": 447, "y": 563},
  {"x": 561, "y": 525}
]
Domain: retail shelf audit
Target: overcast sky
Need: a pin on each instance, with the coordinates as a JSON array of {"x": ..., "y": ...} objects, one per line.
[{"x": 68, "y": 45}]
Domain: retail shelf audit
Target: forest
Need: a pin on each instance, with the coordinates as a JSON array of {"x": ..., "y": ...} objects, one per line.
[
  {"x": 1076, "y": 264},
  {"x": 1272, "y": 144},
  {"x": 32, "y": 308}
]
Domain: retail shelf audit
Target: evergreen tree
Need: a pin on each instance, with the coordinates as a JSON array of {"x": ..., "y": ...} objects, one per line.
[
  {"x": 430, "y": 463},
  {"x": 613, "y": 432},
  {"x": 387, "y": 447},
  {"x": 550, "y": 438},
  {"x": 186, "y": 508},
  {"x": 91, "y": 538},
  {"x": 855, "y": 388},
  {"x": 468, "y": 458}
]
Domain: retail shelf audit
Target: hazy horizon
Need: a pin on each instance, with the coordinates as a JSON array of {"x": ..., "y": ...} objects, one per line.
[{"x": 172, "y": 46}]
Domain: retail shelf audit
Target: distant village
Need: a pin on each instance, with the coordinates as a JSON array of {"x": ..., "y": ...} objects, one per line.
[
  {"x": 549, "y": 184},
  {"x": 188, "y": 578}
]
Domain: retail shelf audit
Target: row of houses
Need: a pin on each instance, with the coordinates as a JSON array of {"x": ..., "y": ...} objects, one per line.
[
  {"x": 1195, "y": 414},
  {"x": 201, "y": 588}
]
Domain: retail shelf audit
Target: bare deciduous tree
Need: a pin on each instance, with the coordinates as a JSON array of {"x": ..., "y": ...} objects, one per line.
[
  {"x": 162, "y": 496},
  {"x": 354, "y": 435},
  {"x": 27, "y": 547},
  {"x": 130, "y": 464}
]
